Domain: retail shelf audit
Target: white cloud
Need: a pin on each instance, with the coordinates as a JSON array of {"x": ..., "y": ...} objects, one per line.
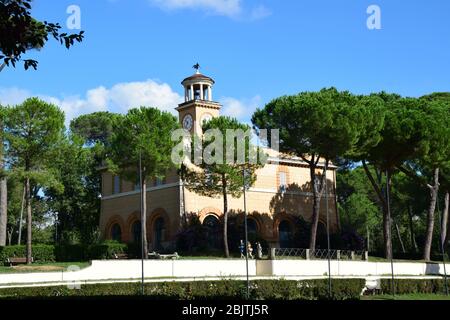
[
  {"x": 259, "y": 12},
  {"x": 228, "y": 8},
  {"x": 13, "y": 95},
  {"x": 240, "y": 109},
  {"x": 119, "y": 98}
]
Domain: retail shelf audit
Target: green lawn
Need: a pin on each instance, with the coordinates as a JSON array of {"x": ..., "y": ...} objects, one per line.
[
  {"x": 412, "y": 296},
  {"x": 42, "y": 267},
  {"x": 380, "y": 259}
]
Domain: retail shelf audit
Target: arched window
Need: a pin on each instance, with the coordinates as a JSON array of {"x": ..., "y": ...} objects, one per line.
[
  {"x": 116, "y": 232},
  {"x": 136, "y": 231},
  {"x": 159, "y": 230},
  {"x": 285, "y": 234},
  {"x": 212, "y": 231}
]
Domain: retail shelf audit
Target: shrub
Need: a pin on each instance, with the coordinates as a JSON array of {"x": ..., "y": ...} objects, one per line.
[
  {"x": 105, "y": 250},
  {"x": 204, "y": 290},
  {"x": 71, "y": 252},
  {"x": 408, "y": 286},
  {"x": 40, "y": 252}
]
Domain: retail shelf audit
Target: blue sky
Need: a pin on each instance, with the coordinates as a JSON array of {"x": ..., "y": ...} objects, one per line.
[{"x": 138, "y": 51}]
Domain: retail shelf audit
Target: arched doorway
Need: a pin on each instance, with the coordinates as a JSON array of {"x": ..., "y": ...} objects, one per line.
[
  {"x": 158, "y": 231},
  {"x": 212, "y": 225},
  {"x": 252, "y": 229},
  {"x": 136, "y": 232},
  {"x": 285, "y": 234},
  {"x": 116, "y": 232}
]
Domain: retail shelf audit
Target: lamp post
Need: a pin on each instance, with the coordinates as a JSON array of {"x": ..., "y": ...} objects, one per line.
[
  {"x": 328, "y": 230},
  {"x": 245, "y": 230},
  {"x": 142, "y": 219},
  {"x": 441, "y": 227},
  {"x": 390, "y": 229}
]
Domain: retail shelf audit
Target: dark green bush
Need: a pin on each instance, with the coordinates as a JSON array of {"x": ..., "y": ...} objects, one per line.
[
  {"x": 71, "y": 252},
  {"x": 40, "y": 252},
  {"x": 65, "y": 253},
  {"x": 408, "y": 286},
  {"x": 105, "y": 250},
  {"x": 204, "y": 290}
]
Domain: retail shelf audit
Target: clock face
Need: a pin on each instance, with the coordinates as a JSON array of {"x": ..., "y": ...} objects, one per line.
[
  {"x": 187, "y": 122},
  {"x": 206, "y": 117}
]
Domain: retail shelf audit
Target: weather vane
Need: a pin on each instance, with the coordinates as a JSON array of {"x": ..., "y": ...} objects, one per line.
[{"x": 196, "y": 66}]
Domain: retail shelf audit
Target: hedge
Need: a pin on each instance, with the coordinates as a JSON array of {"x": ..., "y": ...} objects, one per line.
[
  {"x": 344, "y": 289},
  {"x": 41, "y": 252},
  {"x": 65, "y": 253},
  {"x": 408, "y": 286}
]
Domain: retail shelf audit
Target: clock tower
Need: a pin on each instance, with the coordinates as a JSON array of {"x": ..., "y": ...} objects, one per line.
[{"x": 198, "y": 105}]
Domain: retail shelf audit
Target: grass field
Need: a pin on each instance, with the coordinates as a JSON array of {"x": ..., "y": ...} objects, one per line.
[{"x": 42, "y": 267}]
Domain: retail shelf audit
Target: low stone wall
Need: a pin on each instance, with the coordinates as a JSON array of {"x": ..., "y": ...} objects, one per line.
[{"x": 115, "y": 270}]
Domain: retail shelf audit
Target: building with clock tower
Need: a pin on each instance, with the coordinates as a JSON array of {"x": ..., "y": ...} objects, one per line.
[
  {"x": 198, "y": 105},
  {"x": 280, "y": 196}
]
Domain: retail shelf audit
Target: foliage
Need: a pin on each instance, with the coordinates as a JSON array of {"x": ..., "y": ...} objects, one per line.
[
  {"x": 407, "y": 286},
  {"x": 41, "y": 252},
  {"x": 321, "y": 125},
  {"x": 20, "y": 32},
  {"x": 66, "y": 253},
  {"x": 224, "y": 176},
  {"x": 342, "y": 289},
  {"x": 96, "y": 127},
  {"x": 78, "y": 206}
]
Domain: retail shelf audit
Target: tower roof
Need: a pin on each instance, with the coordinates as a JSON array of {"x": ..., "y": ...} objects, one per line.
[{"x": 197, "y": 77}]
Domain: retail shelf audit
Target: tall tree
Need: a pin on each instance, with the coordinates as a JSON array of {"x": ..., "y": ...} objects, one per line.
[
  {"x": 34, "y": 128},
  {"x": 78, "y": 207},
  {"x": 402, "y": 139},
  {"x": 142, "y": 134},
  {"x": 435, "y": 132},
  {"x": 20, "y": 32},
  {"x": 319, "y": 126},
  {"x": 224, "y": 176}
]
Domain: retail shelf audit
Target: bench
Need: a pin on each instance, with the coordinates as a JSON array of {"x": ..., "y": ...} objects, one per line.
[
  {"x": 13, "y": 261},
  {"x": 155, "y": 255},
  {"x": 120, "y": 256}
]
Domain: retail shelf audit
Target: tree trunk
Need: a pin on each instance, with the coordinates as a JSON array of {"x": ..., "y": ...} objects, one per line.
[
  {"x": 385, "y": 209},
  {"x": 29, "y": 219},
  {"x": 411, "y": 230},
  {"x": 19, "y": 239},
  {"x": 445, "y": 218},
  {"x": 399, "y": 236},
  {"x": 144, "y": 218},
  {"x": 317, "y": 195},
  {"x": 225, "y": 216},
  {"x": 430, "y": 216}
]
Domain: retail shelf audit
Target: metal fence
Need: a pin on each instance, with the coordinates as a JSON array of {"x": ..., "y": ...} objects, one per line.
[{"x": 319, "y": 254}]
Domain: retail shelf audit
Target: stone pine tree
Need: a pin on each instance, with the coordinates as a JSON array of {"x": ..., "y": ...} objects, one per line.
[
  {"x": 402, "y": 139},
  {"x": 142, "y": 134},
  {"x": 426, "y": 168},
  {"x": 222, "y": 174},
  {"x": 34, "y": 128},
  {"x": 318, "y": 126}
]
